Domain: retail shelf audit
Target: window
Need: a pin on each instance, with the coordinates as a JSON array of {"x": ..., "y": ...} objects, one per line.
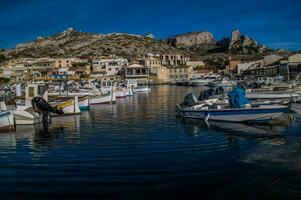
[
  {"x": 60, "y": 61},
  {"x": 109, "y": 69},
  {"x": 31, "y": 92}
]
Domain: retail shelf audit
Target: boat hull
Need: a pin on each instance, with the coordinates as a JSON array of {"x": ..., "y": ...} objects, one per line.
[
  {"x": 6, "y": 121},
  {"x": 262, "y": 114},
  {"x": 84, "y": 103},
  {"x": 142, "y": 89},
  {"x": 69, "y": 107},
  {"x": 103, "y": 99},
  {"x": 25, "y": 115},
  {"x": 121, "y": 93}
]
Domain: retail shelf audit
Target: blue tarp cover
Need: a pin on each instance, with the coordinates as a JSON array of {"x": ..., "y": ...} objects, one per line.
[{"x": 237, "y": 98}]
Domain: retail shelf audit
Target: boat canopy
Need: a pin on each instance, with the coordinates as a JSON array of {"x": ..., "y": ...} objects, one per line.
[{"x": 237, "y": 98}]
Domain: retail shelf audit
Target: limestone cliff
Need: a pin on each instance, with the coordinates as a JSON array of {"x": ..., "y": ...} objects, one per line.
[{"x": 191, "y": 39}]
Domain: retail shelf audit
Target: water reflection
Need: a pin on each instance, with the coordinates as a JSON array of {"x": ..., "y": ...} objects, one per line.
[
  {"x": 137, "y": 148},
  {"x": 273, "y": 134}
]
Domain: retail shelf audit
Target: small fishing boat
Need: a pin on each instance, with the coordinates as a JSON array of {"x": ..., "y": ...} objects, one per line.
[
  {"x": 69, "y": 106},
  {"x": 288, "y": 96},
  {"x": 129, "y": 91},
  {"x": 107, "y": 86},
  {"x": 120, "y": 92},
  {"x": 239, "y": 109},
  {"x": 102, "y": 99},
  {"x": 132, "y": 84},
  {"x": 84, "y": 103},
  {"x": 204, "y": 81},
  {"x": 222, "y": 83},
  {"x": 25, "y": 115},
  {"x": 142, "y": 88},
  {"x": 6, "y": 118}
]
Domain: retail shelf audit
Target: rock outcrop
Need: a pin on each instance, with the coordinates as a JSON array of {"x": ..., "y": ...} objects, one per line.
[
  {"x": 242, "y": 44},
  {"x": 191, "y": 39}
]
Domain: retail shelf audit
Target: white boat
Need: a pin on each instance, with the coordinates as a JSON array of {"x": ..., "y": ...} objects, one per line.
[
  {"x": 6, "y": 121},
  {"x": 6, "y": 118},
  {"x": 129, "y": 91},
  {"x": 294, "y": 97},
  {"x": 204, "y": 81},
  {"x": 190, "y": 108},
  {"x": 84, "y": 103},
  {"x": 25, "y": 115},
  {"x": 102, "y": 99},
  {"x": 108, "y": 86},
  {"x": 262, "y": 113},
  {"x": 132, "y": 84},
  {"x": 222, "y": 83},
  {"x": 142, "y": 88},
  {"x": 121, "y": 92}
]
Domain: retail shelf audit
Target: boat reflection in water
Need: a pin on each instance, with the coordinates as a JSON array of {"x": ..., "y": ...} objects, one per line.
[
  {"x": 272, "y": 133},
  {"x": 269, "y": 166}
]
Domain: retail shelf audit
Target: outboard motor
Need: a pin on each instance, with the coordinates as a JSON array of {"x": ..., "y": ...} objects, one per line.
[
  {"x": 190, "y": 100},
  {"x": 42, "y": 107}
]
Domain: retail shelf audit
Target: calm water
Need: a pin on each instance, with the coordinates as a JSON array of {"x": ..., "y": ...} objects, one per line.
[{"x": 138, "y": 149}]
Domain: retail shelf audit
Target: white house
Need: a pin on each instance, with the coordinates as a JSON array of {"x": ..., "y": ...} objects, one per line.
[{"x": 109, "y": 66}]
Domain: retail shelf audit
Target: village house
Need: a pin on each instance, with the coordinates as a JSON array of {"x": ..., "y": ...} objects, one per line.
[
  {"x": 174, "y": 59},
  {"x": 28, "y": 68},
  {"x": 293, "y": 66},
  {"x": 152, "y": 61},
  {"x": 199, "y": 68},
  {"x": 232, "y": 64},
  {"x": 80, "y": 69},
  {"x": 139, "y": 72},
  {"x": 62, "y": 65},
  {"x": 171, "y": 74},
  {"x": 109, "y": 67}
]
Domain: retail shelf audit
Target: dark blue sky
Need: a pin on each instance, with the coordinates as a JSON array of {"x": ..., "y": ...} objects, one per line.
[{"x": 275, "y": 23}]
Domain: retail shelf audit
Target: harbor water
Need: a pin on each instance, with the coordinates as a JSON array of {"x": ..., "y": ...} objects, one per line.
[{"x": 139, "y": 149}]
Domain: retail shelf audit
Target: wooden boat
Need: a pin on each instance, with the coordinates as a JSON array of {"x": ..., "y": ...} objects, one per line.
[
  {"x": 102, "y": 99},
  {"x": 84, "y": 103},
  {"x": 190, "y": 108},
  {"x": 69, "y": 105}
]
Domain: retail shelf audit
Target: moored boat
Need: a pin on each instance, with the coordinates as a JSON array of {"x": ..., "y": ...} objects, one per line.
[
  {"x": 69, "y": 106},
  {"x": 84, "y": 103},
  {"x": 262, "y": 113},
  {"x": 102, "y": 99},
  {"x": 6, "y": 120},
  {"x": 239, "y": 109},
  {"x": 142, "y": 88},
  {"x": 25, "y": 115}
]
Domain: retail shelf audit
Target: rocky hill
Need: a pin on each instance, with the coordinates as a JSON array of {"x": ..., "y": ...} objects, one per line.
[
  {"x": 205, "y": 43},
  {"x": 197, "y": 45},
  {"x": 71, "y": 43}
]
